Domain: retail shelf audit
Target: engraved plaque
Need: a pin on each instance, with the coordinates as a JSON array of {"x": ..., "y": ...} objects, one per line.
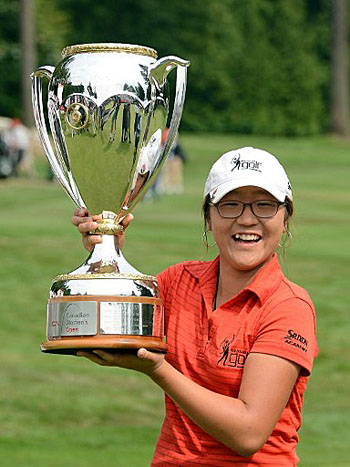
[
  {"x": 126, "y": 318},
  {"x": 71, "y": 319}
]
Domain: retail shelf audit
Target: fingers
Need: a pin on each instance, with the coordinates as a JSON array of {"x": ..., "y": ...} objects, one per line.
[
  {"x": 80, "y": 215},
  {"x": 110, "y": 359},
  {"x": 89, "y": 241},
  {"x": 100, "y": 357},
  {"x": 127, "y": 220},
  {"x": 145, "y": 361},
  {"x": 84, "y": 221},
  {"x": 103, "y": 358},
  {"x": 81, "y": 212},
  {"x": 85, "y": 224},
  {"x": 92, "y": 356}
]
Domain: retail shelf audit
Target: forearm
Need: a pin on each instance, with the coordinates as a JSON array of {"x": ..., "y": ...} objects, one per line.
[
  {"x": 243, "y": 423},
  {"x": 225, "y": 418}
]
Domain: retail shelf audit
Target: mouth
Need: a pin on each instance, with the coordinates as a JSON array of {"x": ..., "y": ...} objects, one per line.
[{"x": 246, "y": 238}]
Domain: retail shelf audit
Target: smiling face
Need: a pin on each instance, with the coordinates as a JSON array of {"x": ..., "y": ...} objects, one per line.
[{"x": 246, "y": 242}]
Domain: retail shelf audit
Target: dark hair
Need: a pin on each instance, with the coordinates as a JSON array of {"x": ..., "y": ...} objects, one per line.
[
  {"x": 288, "y": 204},
  {"x": 205, "y": 212}
]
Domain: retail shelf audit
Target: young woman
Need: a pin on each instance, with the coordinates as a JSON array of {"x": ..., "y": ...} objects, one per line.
[{"x": 241, "y": 336}]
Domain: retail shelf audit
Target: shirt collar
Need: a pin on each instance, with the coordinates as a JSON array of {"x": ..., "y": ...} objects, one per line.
[
  {"x": 204, "y": 271},
  {"x": 206, "y": 274},
  {"x": 262, "y": 285},
  {"x": 267, "y": 279}
]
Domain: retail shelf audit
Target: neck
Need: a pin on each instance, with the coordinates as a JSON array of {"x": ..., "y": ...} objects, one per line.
[{"x": 232, "y": 281}]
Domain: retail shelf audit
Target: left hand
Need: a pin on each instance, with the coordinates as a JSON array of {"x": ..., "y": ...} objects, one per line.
[
  {"x": 144, "y": 361},
  {"x": 86, "y": 223}
]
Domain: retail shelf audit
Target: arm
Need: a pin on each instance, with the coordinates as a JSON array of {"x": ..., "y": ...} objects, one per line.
[{"x": 242, "y": 424}]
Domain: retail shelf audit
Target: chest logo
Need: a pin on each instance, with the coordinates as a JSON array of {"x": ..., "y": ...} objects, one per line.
[{"x": 229, "y": 356}]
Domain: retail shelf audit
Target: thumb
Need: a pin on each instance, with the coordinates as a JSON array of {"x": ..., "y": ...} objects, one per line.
[
  {"x": 144, "y": 354},
  {"x": 126, "y": 221},
  {"x": 152, "y": 361}
]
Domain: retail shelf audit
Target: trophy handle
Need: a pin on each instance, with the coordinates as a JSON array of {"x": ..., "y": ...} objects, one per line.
[
  {"x": 39, "y": 118},
  {"x": 159, "y": 72}
]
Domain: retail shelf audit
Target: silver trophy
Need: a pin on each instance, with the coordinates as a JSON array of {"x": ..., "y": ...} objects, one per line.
[{"x": 107, "y": 107}]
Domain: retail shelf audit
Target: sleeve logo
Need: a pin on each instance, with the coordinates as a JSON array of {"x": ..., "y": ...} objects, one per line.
[{"x": 296, "y": 340}]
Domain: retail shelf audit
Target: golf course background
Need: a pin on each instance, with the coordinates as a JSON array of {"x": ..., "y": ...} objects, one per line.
[{"x": 63, "y": 411}]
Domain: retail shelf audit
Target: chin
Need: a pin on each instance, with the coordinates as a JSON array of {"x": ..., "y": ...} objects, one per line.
[
  {"x": 249, "y": 264},
  {"x": 248, "y": 267}
]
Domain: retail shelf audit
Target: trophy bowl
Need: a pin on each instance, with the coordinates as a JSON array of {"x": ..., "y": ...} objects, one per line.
[{"x": 107, "y": 109}]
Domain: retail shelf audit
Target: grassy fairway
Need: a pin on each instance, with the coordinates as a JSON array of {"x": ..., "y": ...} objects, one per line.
[{"x": 62, "y": 411}]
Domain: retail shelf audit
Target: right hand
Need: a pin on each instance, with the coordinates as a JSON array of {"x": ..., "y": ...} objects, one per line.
[{"x": 86, "y": 223}]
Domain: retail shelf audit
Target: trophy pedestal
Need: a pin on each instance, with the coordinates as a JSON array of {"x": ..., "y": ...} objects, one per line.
[{"x": 104, "y": 304}]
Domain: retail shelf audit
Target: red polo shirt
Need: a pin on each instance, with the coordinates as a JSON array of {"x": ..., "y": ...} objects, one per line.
[{"x": 271, "y": 315}]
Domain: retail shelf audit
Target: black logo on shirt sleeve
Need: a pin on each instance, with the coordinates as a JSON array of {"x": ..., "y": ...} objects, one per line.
[{"x": 296, "y": 340}]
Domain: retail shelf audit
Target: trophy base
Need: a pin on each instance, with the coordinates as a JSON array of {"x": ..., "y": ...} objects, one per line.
[
  {"x": 104, "y": 304},
  {"x": 121, "y": 343}
]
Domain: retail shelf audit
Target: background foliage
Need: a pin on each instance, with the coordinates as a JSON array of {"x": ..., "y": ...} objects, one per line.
[{"x": 257, "y": 66}]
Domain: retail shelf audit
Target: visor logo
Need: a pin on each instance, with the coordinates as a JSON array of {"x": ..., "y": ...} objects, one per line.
[{"x": 245, "y": 164}]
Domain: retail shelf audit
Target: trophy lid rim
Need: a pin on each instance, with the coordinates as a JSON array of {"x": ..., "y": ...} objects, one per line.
[{"x": 108, "y": 47}]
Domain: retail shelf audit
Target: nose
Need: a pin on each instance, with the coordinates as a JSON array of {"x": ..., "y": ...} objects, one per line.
[{"x": 247, "y": 217}]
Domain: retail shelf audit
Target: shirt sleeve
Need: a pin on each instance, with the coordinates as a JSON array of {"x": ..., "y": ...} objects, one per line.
[
  {"x": 289, "y": 331},
  {"x": 165, "y": 283},
  {"x": 164, "y": 280}
]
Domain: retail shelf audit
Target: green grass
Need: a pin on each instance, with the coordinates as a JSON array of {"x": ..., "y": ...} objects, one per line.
[{"x": 62, "y": 411}]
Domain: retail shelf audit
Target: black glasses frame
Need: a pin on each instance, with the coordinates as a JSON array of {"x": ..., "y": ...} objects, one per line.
[{"x": 251, "y": 205}]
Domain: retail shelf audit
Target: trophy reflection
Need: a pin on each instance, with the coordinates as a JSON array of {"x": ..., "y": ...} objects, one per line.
[{"x": 107, "y": 107}]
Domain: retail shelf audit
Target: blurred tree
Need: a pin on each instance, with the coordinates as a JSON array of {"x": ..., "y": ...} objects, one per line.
[
  {"x": 340, "y": 83},
  {"x": 280, "y": 77},
  {"x": 206, "y": 35},
  {"x": 27, "y": 58},
  {"x": 318, "y": 17},
  {"x": 51, "y": 25},
  {"x": 9, "y": 58},
  {"x": 256, "y": 66}
]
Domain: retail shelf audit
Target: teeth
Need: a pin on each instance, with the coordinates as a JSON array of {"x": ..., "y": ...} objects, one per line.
[{"x": 246, "y": 237}]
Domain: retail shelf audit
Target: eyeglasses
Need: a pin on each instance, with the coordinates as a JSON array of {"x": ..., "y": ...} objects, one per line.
[{"x": 261, "y": 208}]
